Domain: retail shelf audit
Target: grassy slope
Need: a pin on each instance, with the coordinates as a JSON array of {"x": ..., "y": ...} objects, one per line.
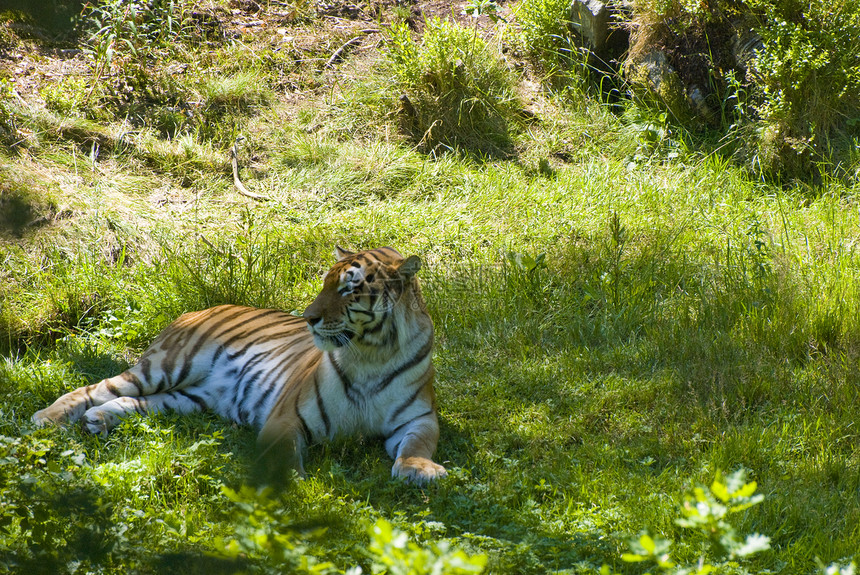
[{"x": 711, "y": 325}]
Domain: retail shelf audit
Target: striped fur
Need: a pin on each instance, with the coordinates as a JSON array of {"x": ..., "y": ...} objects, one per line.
[{"x": 360, "y": 360}]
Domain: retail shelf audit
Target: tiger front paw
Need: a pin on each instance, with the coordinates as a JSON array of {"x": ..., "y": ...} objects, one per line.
[
  {"x": 99, "y": 421},
  {"x": 419, "y": 470}
]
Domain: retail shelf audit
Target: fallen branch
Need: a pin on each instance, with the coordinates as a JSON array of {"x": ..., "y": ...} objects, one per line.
[
  {"x": 240, "y": 187},
  {"x": 213, "y": 248},
  {"x": 354, "y": 40}
]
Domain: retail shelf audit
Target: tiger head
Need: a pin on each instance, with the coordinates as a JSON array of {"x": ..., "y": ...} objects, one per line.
[{"x": 366, "y": 300}]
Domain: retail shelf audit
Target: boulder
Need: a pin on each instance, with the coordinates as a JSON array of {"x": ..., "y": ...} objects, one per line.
[
  {"x": 596, "y": 29},
  {"x": 590, "y": 19},
  {"x": 652, "y": 72}
]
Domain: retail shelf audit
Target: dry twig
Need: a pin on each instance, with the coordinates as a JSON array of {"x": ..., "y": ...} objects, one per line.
[
  {"x": 240, "y": 187},
  {"x": 354, "y": 40}
]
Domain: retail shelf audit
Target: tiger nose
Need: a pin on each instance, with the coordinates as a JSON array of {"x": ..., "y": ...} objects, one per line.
[{"x": 312, "y": 314}]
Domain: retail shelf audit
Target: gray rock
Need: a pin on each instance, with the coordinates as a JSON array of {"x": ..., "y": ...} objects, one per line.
[
  {"x": 653, "y": 73},
  {"x": 656, "y": 70},
  {"x": 590, "y": 19}
]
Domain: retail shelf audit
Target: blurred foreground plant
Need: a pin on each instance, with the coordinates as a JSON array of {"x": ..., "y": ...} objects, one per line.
[{"x": 707, "y": 511}]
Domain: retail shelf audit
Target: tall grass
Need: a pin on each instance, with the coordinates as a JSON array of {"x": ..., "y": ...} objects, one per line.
[
  {"x": 545, "y": 34},
  {"x": 661, "y": 335}
]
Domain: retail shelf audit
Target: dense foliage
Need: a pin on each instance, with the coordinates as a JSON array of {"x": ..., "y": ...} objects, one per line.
[{"x": 782, "y": 78}]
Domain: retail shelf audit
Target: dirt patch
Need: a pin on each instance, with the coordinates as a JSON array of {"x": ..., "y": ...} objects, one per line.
[{"x": 33, "y": 55}]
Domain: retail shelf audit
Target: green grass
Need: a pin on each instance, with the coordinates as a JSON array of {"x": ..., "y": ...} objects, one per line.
[{"x": 683, "y": 319}]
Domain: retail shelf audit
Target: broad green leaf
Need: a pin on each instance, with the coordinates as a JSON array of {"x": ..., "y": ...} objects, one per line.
[
  {"x": 720, "y": 490},
  {"x": 647, "y": 544},
  {"x": 753, "y": 544},
  {"x": 633, "y": 558},
  {"x": 745, "y": 491}
]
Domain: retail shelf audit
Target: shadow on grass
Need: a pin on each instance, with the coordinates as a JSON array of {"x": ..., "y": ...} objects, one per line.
[
  {"x": 191, "y": 563},
  {"x": 56, "y": 17}
]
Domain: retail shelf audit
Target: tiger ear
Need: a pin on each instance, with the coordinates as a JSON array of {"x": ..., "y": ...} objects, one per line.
[
  {"x": 409, "y": 267},
  {"x": 342, "y": 254}
]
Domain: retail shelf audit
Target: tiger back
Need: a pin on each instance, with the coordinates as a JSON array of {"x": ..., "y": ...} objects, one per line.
[{"x": 358, "y": 361}]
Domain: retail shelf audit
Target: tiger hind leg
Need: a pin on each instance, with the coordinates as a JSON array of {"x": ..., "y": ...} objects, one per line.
[
  {"x": 72, "y": 406},
  {"x": 100, "y": 419}
]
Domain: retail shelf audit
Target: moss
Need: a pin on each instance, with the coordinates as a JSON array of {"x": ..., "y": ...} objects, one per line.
[{"x": 660, "y": 82}]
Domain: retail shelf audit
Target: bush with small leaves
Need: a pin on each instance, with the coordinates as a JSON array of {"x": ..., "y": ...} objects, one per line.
[{"x": 706, "y": 511}]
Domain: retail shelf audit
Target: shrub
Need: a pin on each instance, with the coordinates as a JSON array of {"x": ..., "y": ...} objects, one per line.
[
  {"x": 454, "y": 91},
  {"x": 51, "y": 518},
  {"x": 268, "y": 533},
  {"x": 808, "y": 70},
  {"x": 706, "y": 510},
  {"x": 544, "y": 31}
]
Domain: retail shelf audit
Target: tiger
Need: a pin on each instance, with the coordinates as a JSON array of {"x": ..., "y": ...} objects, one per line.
[{"x": 357, "y": 361}]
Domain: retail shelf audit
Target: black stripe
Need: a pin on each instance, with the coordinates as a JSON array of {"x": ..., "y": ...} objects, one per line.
[
  {"x": 233, "y": 355},
  {"x": 391, "y": 336},
  {"x": 419, "y": 357},
  {"x": 405, "y": 405},
  {"x": 402, "y": 425},
  {"x": 350, "y": 392},
  {"x": 242, "y": 412},
  {"x": 285, "y": 355},
  {"x": 306, "y": 431},
  {"x": 209, "y": 334},
  {"x": 261, "y": 339},
  {"x": 275, "y": 374},
  {"x": 321, "y": 406},
  {"x": 245, "y": 383},
  {"x": 359, "y": 311},
  {"x": 388, "y": 250},
  {"x": 238, "y": 401},
  {"x": 167, "y": 379},
  {"x": 111, "y": 388},
  {"x": 146, "y": 370},
  {"x": 376, "y": 327},
  {"x": 242, "y": 334},
  {"x": 135, "y": 381},
  {"x": 186, "y": 333},
  {"x": 263, "y": 396},
  {"x": 252, "y": 362},
  {"x": 186, "y": 367},
  {"x": 201, "y": 339},
  {"x": 195, "y": 398}
]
